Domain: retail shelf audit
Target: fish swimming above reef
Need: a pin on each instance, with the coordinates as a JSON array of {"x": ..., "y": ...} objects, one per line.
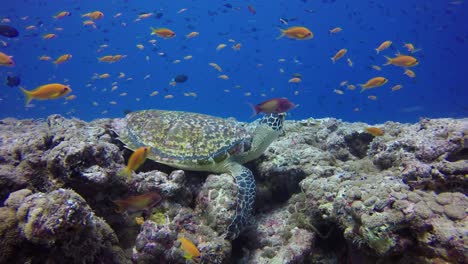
[
  {"x": 338, "y": 55},
  {"x": 383, "y": 46},
  {"x": 163, "y": 32},
  {"x": 373, "y": 83},
  {"x": 6, "y": 60},
  {"x": 136, "y": 203},
  {"x": 47, "y": 91},
  {"x": 274, "y": 105},
  {"x": 298, "y": 33},
  {"x": 8, "y": 31},
  {"x": 95, "y": 15},
  {"x": 402, "y": 61}
]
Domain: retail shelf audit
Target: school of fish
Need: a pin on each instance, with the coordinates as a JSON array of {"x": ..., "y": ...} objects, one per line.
[{"x": 157, "y": 33}]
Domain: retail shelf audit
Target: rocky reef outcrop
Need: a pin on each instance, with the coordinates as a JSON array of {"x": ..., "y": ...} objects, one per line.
[{"x": 327, "y": 192}]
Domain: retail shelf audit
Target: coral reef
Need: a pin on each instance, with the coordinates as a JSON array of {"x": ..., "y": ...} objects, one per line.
[
  {"x": 56, "y": 227},
  {"x": 387, "y": 194},
  {"x": 328, "y": 192}
]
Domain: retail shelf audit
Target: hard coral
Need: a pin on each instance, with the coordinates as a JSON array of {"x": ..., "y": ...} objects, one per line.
[{"x": 62, "y": 225}]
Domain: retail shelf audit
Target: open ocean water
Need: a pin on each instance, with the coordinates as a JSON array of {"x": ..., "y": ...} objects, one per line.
[{"x": 260, "y": 68}]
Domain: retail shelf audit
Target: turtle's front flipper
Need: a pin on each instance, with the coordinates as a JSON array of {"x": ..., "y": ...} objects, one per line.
[{"x": 245, "y": 199}]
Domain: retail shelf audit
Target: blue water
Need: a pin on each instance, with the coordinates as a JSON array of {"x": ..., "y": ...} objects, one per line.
[{"x": 438, "y": 28}]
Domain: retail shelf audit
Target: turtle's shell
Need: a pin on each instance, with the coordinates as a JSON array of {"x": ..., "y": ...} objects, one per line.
[{"x": 176, "y": 136}]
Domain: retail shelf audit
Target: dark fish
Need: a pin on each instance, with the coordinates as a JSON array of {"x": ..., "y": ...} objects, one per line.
[
  {"x": 13, "y": 81},
  {"x": 181, "y": 78},
  {"x": 9, "y": 32}
]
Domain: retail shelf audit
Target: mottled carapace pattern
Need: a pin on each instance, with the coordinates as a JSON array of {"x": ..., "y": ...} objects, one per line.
[{"x": 174, "y": 135}]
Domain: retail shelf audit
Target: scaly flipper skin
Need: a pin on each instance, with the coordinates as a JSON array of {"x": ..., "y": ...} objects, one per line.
[
  {"x": 245, "y": 200},
  {"x": 267, "y": 131}
]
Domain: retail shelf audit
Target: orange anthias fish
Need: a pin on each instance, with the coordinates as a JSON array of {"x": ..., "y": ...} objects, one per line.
[
  {"x": 339, "y": 55},
  {"x": 274, "y": 105},
  {"x": 397, "y": 87},
  {"x": 118, "y": 57},
  {"x": 62, "y": 14},
  {"x": 192, "y": 34},
  {"x": 6, "y": 60},
  {"x": 163, "y": 32},
  {"x": 138, "y": 203},
  {"x": 411, "y": 47},
  {"x": 335, "y": 30},
  {"x": 47, "y": 91},
  {"x": 374, "y": 82},
  {"x": 383, "y": 46},
  {"x": 409, "y": 73},
  {"x": 298, "y": 33},
  {"x": 62, "y": 59},
  {"x": 402, "y": 61},
  {"x": 45, "y": 58},
  {"x": 135, "y": 161},
  {"x": 295, "y": 80},
  {"x": 95, "y": 15},
  {"x": 375, "y": 131},
  {"x": 190, "y": 250},
  {"x": 107, "y": 58},
  {"x": 49, "y": 36}
]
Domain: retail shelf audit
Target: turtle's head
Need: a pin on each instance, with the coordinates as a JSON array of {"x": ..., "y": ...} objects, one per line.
[
  {"x": 274, "y": 121},
  {"x": 267, "y": 131}
]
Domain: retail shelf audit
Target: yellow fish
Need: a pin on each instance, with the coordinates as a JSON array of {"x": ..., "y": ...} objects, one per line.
[
  {"x": 163, "y": 32},
  {"x": 411, "y": 47},
  {"x": 409, "y": 73},
  {"x": 299, "y": 33},
  {"x": 47, "y": 91},
  {"x": 374, "y": 82},
  {"x": 62, "y": 14},
  {"x": 339, "y": 55},
  {"x": 383, "y": 46},
  {"x": 135, "y": 161},
  {"x": 49, "y": 36},
  {"x": 62, "y": 59},
  {"x": 402, "y": 61},
  {"x": 95, "y": 15},
  {"x": 6, "y": 60},
  {"x": 190, "y": 250}
]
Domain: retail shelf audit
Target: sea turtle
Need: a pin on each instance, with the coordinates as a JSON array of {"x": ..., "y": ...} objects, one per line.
[{"x": 200, "y": 142}]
